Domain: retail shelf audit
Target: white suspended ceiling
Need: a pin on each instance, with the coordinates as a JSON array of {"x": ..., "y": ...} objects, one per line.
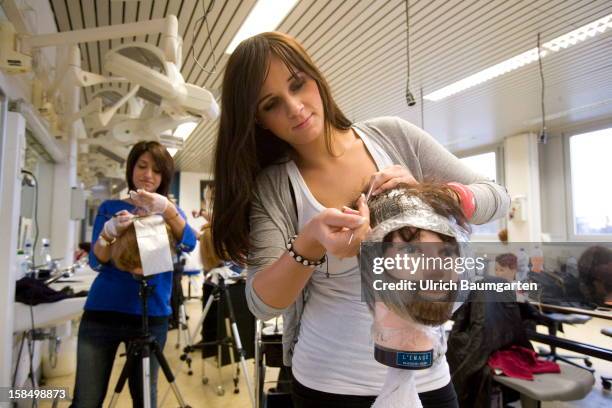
[{"x": 361, "y": 48}]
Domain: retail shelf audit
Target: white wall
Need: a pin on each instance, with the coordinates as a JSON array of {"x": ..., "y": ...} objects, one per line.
[
  {"x": 523, "y": 179},
  {"x": 189, "y": 195},
  {"x": 29, "y": 17},
  {"x": 554, "y": 172},
  {"x": 10, "y": 200}
]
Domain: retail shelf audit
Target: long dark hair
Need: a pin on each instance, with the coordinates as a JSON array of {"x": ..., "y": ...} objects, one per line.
[
  {"x": 161, "y": 157},
  {"x": 244, "y": 148}
]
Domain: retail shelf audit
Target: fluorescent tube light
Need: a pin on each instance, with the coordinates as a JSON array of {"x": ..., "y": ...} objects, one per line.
[
  {"x": 266, "y": 15},
  {"x": 184, "y": 130},
  {"x": 566, "y": 40},
  {"x": 180, "y": 135}
]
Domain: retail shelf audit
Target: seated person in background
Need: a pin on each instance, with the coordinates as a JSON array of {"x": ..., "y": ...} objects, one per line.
[
  {"x": 506, "y": 266},
  {"x": 595, "y": 275}
]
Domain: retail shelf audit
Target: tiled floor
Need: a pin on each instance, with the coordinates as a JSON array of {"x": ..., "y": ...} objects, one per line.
[
  {"x": 192, "y": 389},
  {"x": 197, "y": 394}
]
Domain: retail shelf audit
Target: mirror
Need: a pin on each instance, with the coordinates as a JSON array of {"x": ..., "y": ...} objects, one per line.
[{"x": 36, "y": 196}]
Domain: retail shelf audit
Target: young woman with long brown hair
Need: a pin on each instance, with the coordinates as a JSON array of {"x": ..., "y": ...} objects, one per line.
[
  {"x": 287, "y": 164},
  {"x": 113, "y": 312}
]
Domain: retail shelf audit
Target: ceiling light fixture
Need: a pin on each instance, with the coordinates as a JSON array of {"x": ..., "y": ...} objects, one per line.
[
  {"x": 266, "y": 15},
  {"x": 175, "y": 141},
  {"x": 564, "y": 41},
  {"x": 184, "y": 130}
]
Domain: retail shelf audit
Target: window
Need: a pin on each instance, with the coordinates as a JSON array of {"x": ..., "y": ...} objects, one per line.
[
  {"x": 591, "y": 167},
  {"x": 484, "y": 164}
]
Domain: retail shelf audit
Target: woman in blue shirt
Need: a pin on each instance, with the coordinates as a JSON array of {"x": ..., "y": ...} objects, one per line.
[{"x": 113, "y": 310}]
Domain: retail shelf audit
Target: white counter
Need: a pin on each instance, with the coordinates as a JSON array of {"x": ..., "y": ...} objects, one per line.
[{"x": 51, "y": 314}]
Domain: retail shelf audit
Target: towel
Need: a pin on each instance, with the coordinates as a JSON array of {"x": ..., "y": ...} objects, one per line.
[{"x": 520, "y": 362}]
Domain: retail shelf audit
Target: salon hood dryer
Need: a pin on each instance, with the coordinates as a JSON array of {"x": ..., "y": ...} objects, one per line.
[{"x": 160, "y": 81}]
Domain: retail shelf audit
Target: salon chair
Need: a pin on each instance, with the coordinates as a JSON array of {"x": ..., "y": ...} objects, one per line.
[
  {"x": 606, "y": 382},
  {"x": 490, "y": 322},
  {"x": 572, "y": 383},
  {"x": 555, "y": 324}
]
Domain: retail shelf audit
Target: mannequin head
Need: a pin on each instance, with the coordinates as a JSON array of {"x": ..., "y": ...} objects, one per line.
[
  {"x": 209, "y": 256},
  {"x": 425, "y": 216},
  {"x": 125, "y": 254},
  {"x": 429, "y": 307}
]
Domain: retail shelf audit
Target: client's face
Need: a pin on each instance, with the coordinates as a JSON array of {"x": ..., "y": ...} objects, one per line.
[{"x": 431, "y": 306}]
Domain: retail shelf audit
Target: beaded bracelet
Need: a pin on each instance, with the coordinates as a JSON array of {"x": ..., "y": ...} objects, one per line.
[{"x": 299, "y": 258}]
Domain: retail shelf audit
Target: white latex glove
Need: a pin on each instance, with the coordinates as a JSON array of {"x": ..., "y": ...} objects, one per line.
[
  {"x": 153, "y": 203},
  {"x": 118, "y": 224}
]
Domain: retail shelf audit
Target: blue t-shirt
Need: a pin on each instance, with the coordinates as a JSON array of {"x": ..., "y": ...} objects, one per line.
[{"x": 117, "y": 291}]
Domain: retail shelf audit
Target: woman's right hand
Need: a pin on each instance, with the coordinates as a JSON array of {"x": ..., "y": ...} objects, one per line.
[
  {"x": 118, "y": 224},
  {"x": 331, "y": 230}
]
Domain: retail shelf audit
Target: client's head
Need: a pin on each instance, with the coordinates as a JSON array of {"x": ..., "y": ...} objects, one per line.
[
  {"x": 125, "y": 253},
  {"x": 428, "y": 217}
]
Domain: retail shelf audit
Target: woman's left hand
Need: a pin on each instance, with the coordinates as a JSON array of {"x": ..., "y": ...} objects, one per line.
[
  {"x": 153, "y": 203},
  {"x": 390, "y": 177}
]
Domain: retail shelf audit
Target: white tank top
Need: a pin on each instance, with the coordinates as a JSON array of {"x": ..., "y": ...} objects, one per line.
[{"x": 334, "y": 352}]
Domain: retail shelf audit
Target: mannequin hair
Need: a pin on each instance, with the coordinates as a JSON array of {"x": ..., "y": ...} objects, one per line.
[
  {"x": 209, "y": 256},
  {"x": 443, "y": 202},
  {"x": 125, "y": 254},
  {"x": 440, "y": 197}
]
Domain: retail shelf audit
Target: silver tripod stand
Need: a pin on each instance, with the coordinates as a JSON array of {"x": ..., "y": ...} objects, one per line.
[
  {"x": 141, "y": 349},
  {"x": 216, "y": 279}
]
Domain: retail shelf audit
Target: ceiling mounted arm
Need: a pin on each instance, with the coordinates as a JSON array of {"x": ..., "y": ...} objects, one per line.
[
  {"x": 98, "y": 114},
  {"x": 144, "y": 64},
  {"x": 167, "y": 27},
  {"x": 133, "y": 130},
  {"x": 71, "y": 71},
  {"x": 107, "y": 114}
]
